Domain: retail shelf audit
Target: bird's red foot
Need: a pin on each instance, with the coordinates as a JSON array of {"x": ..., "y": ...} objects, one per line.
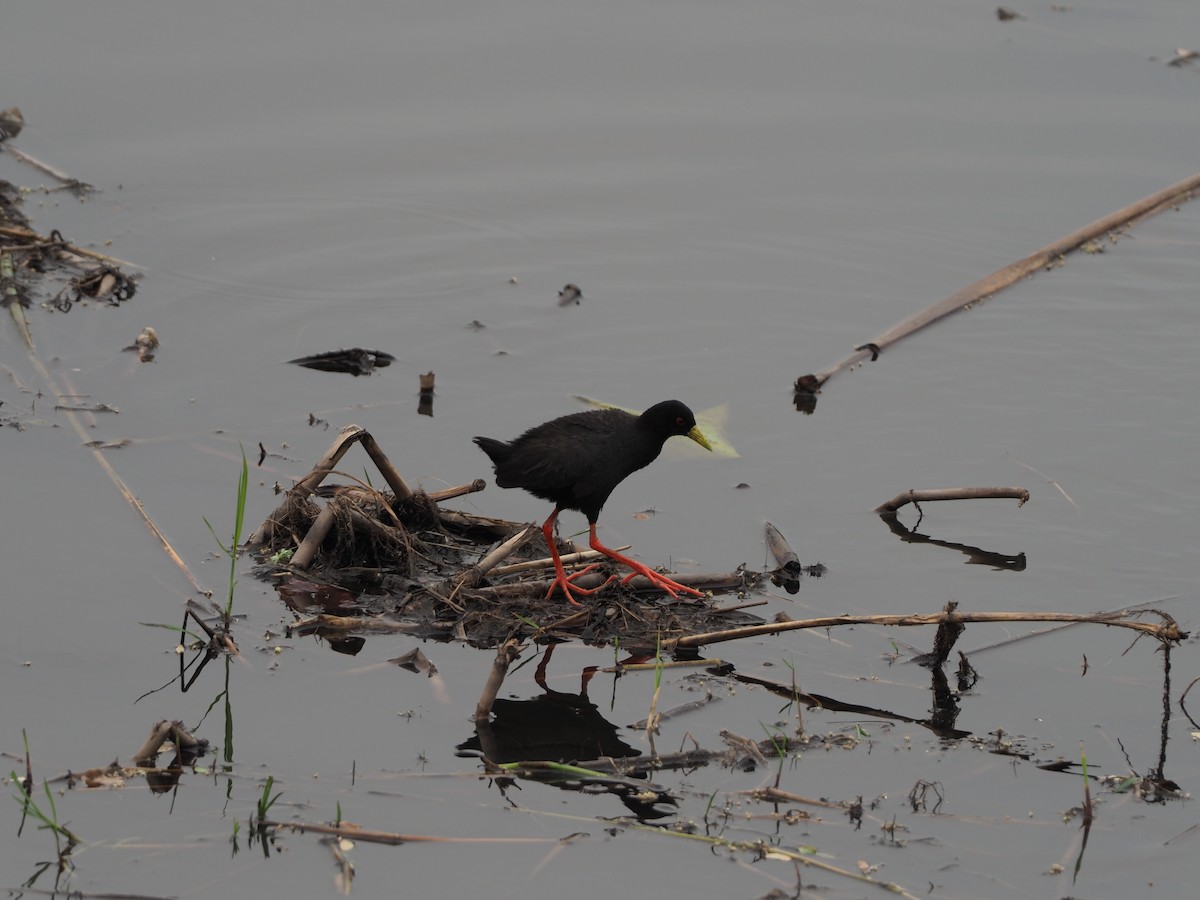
[
  {"x": 658, "y": 579},
  {"x": 565, "y": 583}
]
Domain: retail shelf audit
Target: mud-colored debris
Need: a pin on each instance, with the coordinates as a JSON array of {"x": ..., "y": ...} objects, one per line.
[
  {"x": 145, "y": 344},
  {"x": 11, "y": 123},
  {"x": 354, "y": 361},
  {"x": 1183, "y": 58},
  {"x": 810, "y": 384},
  {"x": 103, "y": 283},
  {"x": 31, "y": 260},
  {"x": 570, "y": 295}
]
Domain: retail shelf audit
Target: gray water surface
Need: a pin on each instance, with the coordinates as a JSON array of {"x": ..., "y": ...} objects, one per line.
[{"x": 744, "y": 194}]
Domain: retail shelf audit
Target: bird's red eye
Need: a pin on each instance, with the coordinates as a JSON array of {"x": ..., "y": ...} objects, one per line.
[{"x": 679, "y": 422}]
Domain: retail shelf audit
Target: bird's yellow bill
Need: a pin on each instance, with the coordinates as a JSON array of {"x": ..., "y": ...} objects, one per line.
[
  {"x": 711, "y": 420},
  {"x": 698, "y": 436}
]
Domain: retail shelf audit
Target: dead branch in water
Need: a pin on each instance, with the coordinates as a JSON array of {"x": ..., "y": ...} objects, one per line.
[
  {"x": 1167, "y": 631},
  {"x": 929, "y": 495},
  {"x": 974, "y": 293},
  {"x": 358, "y": 833}
]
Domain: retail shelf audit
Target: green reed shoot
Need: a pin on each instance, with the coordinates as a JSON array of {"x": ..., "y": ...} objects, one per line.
[
  {"x": 49, "y": 819},
  {"x": 232, "y": 550}
]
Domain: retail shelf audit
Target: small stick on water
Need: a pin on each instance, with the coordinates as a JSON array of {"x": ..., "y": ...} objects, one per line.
[
  {"x": 963, "y": 493},
  {"x": 367, "y": 835},
  {"x": 1167, "y": 631}
]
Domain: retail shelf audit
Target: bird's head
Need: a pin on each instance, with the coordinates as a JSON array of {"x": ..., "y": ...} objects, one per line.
[{"x": 671, "y": 418}]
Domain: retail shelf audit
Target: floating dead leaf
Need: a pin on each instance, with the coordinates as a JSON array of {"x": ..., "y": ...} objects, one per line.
[{"x": 415, "y": 661}]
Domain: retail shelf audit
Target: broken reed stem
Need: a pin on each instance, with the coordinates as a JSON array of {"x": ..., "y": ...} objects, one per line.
[
  {"x": 346, "y": 438},
  {"x": 546, "y": 562},
  {"x": 398, "y": 485},
  {"x": 321, "y": 526},
  {"x": 304, "y": 488},
  {"x": 391, "y": 837},
  {"x": 463, "y": 489},
  {"x": 470, "y": 577},
  {"x": 518, "y": 540},
  {"x": 1175, "y": 194},
  {"x": 663, "y": 664},
  {"x": 785, "y": 557},
  {"x": 1166, "y": 631},
  {"x": 505, "y": 655},
  {"x": 162, "y": 731},
  {"x": 963, "y": 493}
]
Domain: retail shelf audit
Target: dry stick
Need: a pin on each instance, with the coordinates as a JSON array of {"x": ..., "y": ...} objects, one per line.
[
  {"x": 304, "y": 488},
  {"x": 391, "y": 837},
  {"x": 568, "y": 559},
  {"x": 505, "y": 655},
  {"x": 398, "y": 485},
  {"x": 148, "y": 752},
  {"x": 346, "y": 438},
  {"x": 471, "y": 577},
  {"x": 1177, "y": 193},
  {"x": 40, "y": 242},
  {"x": 98, "y": 455},
  {"x": 44, "y": 167},
  {"x": 331, "y": 624},
  {"x": 450, "y": 493},
  {"x": 931, "y": 494},
  {"x": 662, "y": 664},
  {"x": 1167, "y": 631},
  {"x": 317, "y": 532},
  {"x": 116, "y": 479},
  {"x": 499, "y": 528}
]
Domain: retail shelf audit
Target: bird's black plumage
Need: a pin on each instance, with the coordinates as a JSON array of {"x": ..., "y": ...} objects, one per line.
[{"x": 576, "y": 461}]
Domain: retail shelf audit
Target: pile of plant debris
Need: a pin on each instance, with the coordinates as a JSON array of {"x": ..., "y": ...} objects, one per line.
[{"x": 367, "y": 561}]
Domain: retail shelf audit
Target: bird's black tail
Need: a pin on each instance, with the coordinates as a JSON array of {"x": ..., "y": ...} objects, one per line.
[{"x": 498, "y": 451}]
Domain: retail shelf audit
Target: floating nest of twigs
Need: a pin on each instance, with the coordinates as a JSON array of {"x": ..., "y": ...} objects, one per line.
[{"x": 364, "y": 560}]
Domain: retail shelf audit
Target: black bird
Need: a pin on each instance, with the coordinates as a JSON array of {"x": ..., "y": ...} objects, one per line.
[{"x": 575, "y": 462}]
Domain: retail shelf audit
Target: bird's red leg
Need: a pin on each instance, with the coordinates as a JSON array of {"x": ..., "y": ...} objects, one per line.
[
  {"x": 656, "y": 578},
  {"x": 561, "y": 580}
]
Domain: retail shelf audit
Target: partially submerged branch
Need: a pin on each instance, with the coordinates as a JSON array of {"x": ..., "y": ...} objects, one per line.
[
  {"x": 974, "y": 293},
  {"x": 963, "y": 493},
  {"x": 1166, "y": 631}
]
